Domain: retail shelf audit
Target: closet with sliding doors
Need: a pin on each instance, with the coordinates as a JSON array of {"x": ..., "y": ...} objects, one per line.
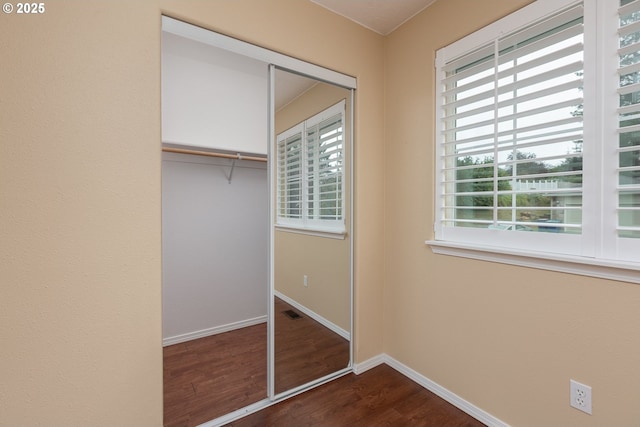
[{"x": 257, "y": 281}]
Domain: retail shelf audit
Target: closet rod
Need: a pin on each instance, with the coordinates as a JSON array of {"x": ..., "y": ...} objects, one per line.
[{"x": 214, "y": 154}]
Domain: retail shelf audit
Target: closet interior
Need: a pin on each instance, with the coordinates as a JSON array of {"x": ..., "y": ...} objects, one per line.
[{"x": 256, "y": 225}]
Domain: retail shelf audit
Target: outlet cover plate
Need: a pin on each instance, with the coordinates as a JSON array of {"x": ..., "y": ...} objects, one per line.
[{"x": 580, "y": 396}]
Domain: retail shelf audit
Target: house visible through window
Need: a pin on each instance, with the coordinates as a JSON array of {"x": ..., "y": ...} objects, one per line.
[
  {"x": 538, "y": 132},
  {"x": 310, "y": 170}
]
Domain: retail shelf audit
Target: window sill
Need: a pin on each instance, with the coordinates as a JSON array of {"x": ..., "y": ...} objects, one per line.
[
  {"x": 330, "y": 234},
  {"x": 604, "y": 269}
]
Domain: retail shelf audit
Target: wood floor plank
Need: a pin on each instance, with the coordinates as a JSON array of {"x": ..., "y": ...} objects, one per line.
[
  {"x": 378, "y": 397},
  {"x": 210, "y": 377},
  {"x": 305, "y": 350}
]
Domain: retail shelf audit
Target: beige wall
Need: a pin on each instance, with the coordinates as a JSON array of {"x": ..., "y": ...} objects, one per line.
[
  {"x": 80, "y": 213},
  {"x": 505, "y": 338},
  {"x": 296, "y": 255},
  {"x": 327, "y": 293},
  {"x": 80, "y": 303}
]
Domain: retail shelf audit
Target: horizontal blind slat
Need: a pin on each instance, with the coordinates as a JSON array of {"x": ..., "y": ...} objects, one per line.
[
  {"x": 509, "y": 117},
  {"x": 523, "y": 98},
  {"x": 544, "y": 43},
  {"x": 629, "y": 8},
  {"x": 629, "y": 49},
  {"x": 629, "y": 29},
  {"x": 510, "y": 87}
]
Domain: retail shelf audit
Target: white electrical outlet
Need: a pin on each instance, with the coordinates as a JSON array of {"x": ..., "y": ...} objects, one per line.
[
  {"x": 580, "y": 396},
  {"x": 306, "y": 281}
]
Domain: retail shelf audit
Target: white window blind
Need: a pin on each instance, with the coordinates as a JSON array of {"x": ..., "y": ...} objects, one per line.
[
  {"x": 290, "y": 173},
  {"x": 324, "y": 169},
  {"x": 313, "y": 153},
  {"x": 538, "y": 132},
  {"x": 628, "y": 171},
  {"x": 513, "y": 130}
]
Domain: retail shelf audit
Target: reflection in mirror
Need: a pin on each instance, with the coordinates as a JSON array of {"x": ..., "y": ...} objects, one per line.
[{"x": 312, "y": 259}]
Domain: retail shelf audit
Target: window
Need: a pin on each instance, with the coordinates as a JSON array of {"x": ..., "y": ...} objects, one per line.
[
  {"x": 310, "y": 172},
  {"x": 538, "y": 133}
]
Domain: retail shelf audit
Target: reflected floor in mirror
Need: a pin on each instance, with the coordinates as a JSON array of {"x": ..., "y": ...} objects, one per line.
[
  {"x": 378, "y": 397},
  {"x": 209, "y": 377},
  {"x": 305, "y": 350}
]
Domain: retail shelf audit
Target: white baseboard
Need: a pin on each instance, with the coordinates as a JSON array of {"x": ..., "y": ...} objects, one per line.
[
  {"x": 361, "y": 367},
  {"x": 315, "y": 316},
  {"x": 177, "y": 339},
  {"x": 432, "y": 386},
  {"x": 235, "y": 415}
]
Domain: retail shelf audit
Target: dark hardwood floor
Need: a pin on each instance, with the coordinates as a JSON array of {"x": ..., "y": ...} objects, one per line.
[
  {"x": 378, "y": 397},
  {"x": 213, "y": 376},
  {"x": 304, "y": 349},
  {"x": 210, "y": 377}
]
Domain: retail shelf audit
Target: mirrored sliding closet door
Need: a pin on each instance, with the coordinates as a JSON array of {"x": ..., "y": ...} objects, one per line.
[
  {"x": 312, "y": 237},
  {"x": 257, "y": 229}
]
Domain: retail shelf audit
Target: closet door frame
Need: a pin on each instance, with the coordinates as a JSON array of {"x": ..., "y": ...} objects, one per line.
[
  {"x": 294, "y": 65},
  {"x": 190, "y": 31}
]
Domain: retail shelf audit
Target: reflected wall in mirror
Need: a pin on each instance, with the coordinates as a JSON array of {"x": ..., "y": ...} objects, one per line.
[{"x": 312, "y": 251}]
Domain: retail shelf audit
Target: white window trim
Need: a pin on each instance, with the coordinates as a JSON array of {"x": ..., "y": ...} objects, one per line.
[
  {"x": 586, "y": 264},
  {"x": 592, "y": 267},
  {"x": 331, "y": 234},
  {"x": 522, "y": 18},
  {"x": 335, "y": 229}
]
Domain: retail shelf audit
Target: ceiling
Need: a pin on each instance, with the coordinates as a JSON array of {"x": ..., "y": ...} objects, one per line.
[{"x": 381, "y": 16}]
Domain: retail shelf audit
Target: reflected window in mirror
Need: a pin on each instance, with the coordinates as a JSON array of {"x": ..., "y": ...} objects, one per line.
[{"x": 310, "y": 171}]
